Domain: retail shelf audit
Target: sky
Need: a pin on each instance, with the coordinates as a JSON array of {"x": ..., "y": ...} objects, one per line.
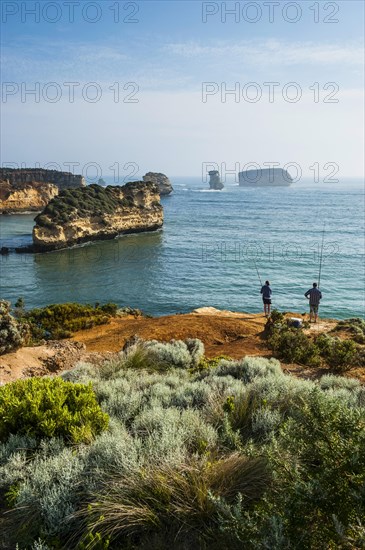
[{"x": 123, "y": 88}]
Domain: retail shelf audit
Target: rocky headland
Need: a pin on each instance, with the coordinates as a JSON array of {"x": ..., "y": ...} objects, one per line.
[
  {"x": 94, "y": 213},
  {"x": 161, "y": 180},
  {"x": 63, "y": 180},
  {"x": 265, "y": 177},
  {"x": 25, "y": 197},
  {"x": 31, "y": 189}
]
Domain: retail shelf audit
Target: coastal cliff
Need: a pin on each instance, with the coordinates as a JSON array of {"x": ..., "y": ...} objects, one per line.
[
  {"x": 25, "y": 197},
  {"x": 265, "y": 177},
  {"x": 63, "y": 180},
  {"x": 94, "y": 212},
  {"x": 31, "y": 189},
  {"x": 163, "y": 183}
]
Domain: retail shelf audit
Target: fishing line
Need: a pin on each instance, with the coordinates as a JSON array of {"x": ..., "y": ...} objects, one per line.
[{"x": 320, "y": 260}]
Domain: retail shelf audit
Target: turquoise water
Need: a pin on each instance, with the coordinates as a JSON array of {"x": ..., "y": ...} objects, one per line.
[{"x": 207, "y": 251}]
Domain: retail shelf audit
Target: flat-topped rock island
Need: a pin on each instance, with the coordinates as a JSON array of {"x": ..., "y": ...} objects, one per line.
[{"x": 265, "y": 177}]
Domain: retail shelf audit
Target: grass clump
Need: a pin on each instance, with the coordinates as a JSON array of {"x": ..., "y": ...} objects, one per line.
[
  {"x": 175, "y": 502},
  {"x": 46, "y": 408}
]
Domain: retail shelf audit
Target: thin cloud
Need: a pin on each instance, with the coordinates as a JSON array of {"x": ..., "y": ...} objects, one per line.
[{"x": 272, "y": 51}]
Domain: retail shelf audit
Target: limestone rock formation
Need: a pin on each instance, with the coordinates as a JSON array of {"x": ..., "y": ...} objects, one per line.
[
  {"x": 215, "y": 180},
  {"x": 25, "y": 197},
  {"x": 162, "y": 181},
  {"x": 63, "y": 180},
  {"x": 265, "y": 177},
  {"x": 94, "y": 212}
]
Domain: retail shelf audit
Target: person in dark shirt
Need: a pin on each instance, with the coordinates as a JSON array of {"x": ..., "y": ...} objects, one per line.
[
  {"x": 266, "y": 297},
  {"x": 314, "y": 296}
]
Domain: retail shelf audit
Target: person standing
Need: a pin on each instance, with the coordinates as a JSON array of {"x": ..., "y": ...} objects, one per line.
[
  {"x": 314, "y": 296},
  {"x": 266, "y": 297}
]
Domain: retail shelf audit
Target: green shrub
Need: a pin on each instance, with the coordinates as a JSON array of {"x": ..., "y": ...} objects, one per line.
[
  {"x": 322, "y": 473},
  {"x": 206, "y": 364},
  {"x": 276, "y": 316},
  {"x": 13, "y": 333},
  {"x": 355, "y": 326},
  {"x": 59, "y": 321},
  {"x": 293, "y": 346},
  {"x": 339, "y": 354},
  {"x": 50, "y": 407}
]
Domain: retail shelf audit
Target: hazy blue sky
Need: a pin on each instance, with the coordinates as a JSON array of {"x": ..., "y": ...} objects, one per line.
[{"x": 165, "y": 54}]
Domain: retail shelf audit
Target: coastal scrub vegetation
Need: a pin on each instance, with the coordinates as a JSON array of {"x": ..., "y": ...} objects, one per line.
[
  {"x": 81, "y": 203},
  {"x": 20, "y": 327},
  {"x": 220, "y": 454},
  {"x": 58, "y": 321},
  {"x": 292, "y": 345},
  {"x": 355, "y": 327},
  {"x": 50, "y": 407}
]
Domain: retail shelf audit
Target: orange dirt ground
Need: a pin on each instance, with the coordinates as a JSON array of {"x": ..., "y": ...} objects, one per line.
[{"x": 222, "y": 332}]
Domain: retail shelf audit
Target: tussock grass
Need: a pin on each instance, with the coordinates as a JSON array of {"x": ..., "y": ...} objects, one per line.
[{"x": 176, "y": 500}]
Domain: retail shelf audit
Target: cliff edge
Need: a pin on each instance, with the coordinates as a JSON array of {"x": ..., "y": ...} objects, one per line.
[
  {"x": 31, "y": 189},
  {"x": 63, "y": 180}
]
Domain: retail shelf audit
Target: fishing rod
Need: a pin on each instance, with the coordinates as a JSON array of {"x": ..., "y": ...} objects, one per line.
[
  {"x": 320, "y": 260},
  {"x": 257, "y": 271}
]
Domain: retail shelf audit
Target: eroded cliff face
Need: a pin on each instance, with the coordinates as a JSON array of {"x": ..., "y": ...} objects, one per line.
[
  {"x": 94, "y": 213},
  {"x": 162, "y": 181},
  {"x": 25, "y": 197}
]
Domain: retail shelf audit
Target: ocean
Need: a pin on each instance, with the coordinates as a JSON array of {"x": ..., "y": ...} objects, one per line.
[{"x": 212, "y": 250}]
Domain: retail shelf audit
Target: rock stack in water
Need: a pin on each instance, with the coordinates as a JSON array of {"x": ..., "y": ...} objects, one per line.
[
  {"x": 163, "y": 183},
  {"x": 215, "y": 180},
  {"x": 94, "y": 212}
]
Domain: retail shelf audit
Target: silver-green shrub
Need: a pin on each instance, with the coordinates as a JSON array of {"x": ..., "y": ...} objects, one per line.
[
  {"x": 178, "y": 354},
  {"x": 249, "y": 368},
  {"x": 13, "y": 334}
]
